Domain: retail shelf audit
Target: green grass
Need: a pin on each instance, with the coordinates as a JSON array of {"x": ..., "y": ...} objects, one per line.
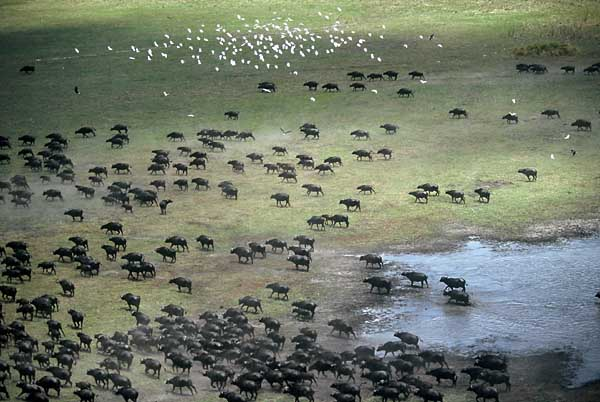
[{"x": 474, "y": 70}]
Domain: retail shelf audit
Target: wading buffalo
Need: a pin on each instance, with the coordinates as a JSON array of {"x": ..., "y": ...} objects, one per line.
[
  {"x": 372, "y": 259},
  {"x": 413, "y": 277},
  {"x": 340, "y": 326},
  {"x": 454, "y": 283},
  {"x": 457, "y": 297},
  {"x": 378, "y": 282}
]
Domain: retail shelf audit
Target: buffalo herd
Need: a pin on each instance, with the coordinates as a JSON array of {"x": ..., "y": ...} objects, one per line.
[{"x": 222, "y": 346}]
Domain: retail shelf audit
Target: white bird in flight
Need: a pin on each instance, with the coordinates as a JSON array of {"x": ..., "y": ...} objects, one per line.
[{"x": 567, "y": 136}]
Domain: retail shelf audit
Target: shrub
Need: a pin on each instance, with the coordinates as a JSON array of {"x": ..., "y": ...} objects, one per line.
[{"x": 546, "y": 49}]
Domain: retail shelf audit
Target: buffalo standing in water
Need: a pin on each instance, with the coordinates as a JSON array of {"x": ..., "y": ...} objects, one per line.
[
  {"x": 413, "y": 277},
  {"x": 458, "y": 297},
  {"x": 372, "y": 259},
  {"x": 379, "y": 283},
  {"x": 454, "y": 283}
]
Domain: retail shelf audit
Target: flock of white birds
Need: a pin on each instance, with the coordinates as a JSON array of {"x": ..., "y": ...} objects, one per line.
[
  {"x": 268, "y": 45},
  {"x": 260, "y": 45}
]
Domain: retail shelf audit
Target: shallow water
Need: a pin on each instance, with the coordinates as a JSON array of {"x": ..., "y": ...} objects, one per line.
[{"x": 527, "y": 299}]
